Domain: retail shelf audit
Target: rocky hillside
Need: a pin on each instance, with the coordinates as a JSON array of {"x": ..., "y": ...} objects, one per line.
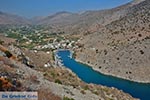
[
  {"x": 57, "y": 18},
  {"x": 121, "y": 48},
  {"x": 6, "y": 18},
  {"x": 85, "y": 23},
  {"x": 88, "y": 21},
  {"x": 51, "y": 83}
]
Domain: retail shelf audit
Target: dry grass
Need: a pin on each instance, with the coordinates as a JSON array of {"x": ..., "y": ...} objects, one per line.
[{"x": 44, "y": 94}]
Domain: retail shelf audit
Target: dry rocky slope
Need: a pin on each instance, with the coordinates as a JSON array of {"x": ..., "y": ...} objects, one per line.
[
  {"x": 122, "y": 48},
  {"x": 51, "y": 83},
  {"x": 6, "y": 19},
  {"x": 85, "y": 22}
]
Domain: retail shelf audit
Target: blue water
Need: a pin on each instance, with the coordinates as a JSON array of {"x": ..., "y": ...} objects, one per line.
[{"x": 88, "y": 75}]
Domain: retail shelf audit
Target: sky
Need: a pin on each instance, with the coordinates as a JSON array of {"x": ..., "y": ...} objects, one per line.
[{"x": 32, "y": 8}]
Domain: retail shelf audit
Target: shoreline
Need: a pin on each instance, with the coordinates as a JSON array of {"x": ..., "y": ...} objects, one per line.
[
  {"x": 104, "y": 73},
  {"x": 109, "y": 74}
]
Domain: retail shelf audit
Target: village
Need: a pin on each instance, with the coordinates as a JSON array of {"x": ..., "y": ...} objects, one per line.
[
  {"x": 41, "y": 39},
  {"x": 43, "y": 43},
  {"x": 63, "y": 44}
]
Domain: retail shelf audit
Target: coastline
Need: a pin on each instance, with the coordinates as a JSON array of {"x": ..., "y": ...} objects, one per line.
[
  {"x": 138, "y": 89},
  {"x": 109, "y": 74},
  {"x": 102, "y": 72}
]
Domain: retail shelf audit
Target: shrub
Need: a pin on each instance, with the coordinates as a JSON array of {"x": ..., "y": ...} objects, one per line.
[
  {"x": 53, "y": 74},
  {"x": 66, "y": 98},
  {"x": 83, "y": 92},
  {"x": 86, "y": 87},
  {"x": 8, "y": 54},
  {"x": 105, "y": 52},
  {"x": 96, "y": 50},
  {"x": 140, "y": 35},
  {"x": 95, "y": 92},
  {"x": 45, "y": 74},
  {"x": 141, "y": 51},
  {"x": 58, "y": 81}
]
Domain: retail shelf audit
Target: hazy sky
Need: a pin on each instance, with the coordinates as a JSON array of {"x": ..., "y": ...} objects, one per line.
[{"x": 31, "y": 8}]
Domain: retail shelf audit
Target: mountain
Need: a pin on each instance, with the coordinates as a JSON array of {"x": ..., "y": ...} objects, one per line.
[
  {"x": 6, "y": 18},
  {"x": 122, "y": 47},
  {"x": 86, "y": 22},
  {"x": 59, "y": 17}
]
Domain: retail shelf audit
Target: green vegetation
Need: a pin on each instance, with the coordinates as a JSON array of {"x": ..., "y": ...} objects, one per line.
[
  {"x": 58, "y": 81},
  {"x": 53, "y": 56},
  {"x": 66, "y": 98},
  {"x": 86, "y": 87},
  {"x": 105, "y": 89},
  {"x": 74, "y": 55},
  {"x": 29, "y": 36},
  {"x": 95, "y": 92},
  {"x": 14, "y": 35},
  {"x": 45, "y": 74},
  {"x": 53, "y": 75},
  {"x": 38, "y": 37},
  {"x": 8, "y": 54}
]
